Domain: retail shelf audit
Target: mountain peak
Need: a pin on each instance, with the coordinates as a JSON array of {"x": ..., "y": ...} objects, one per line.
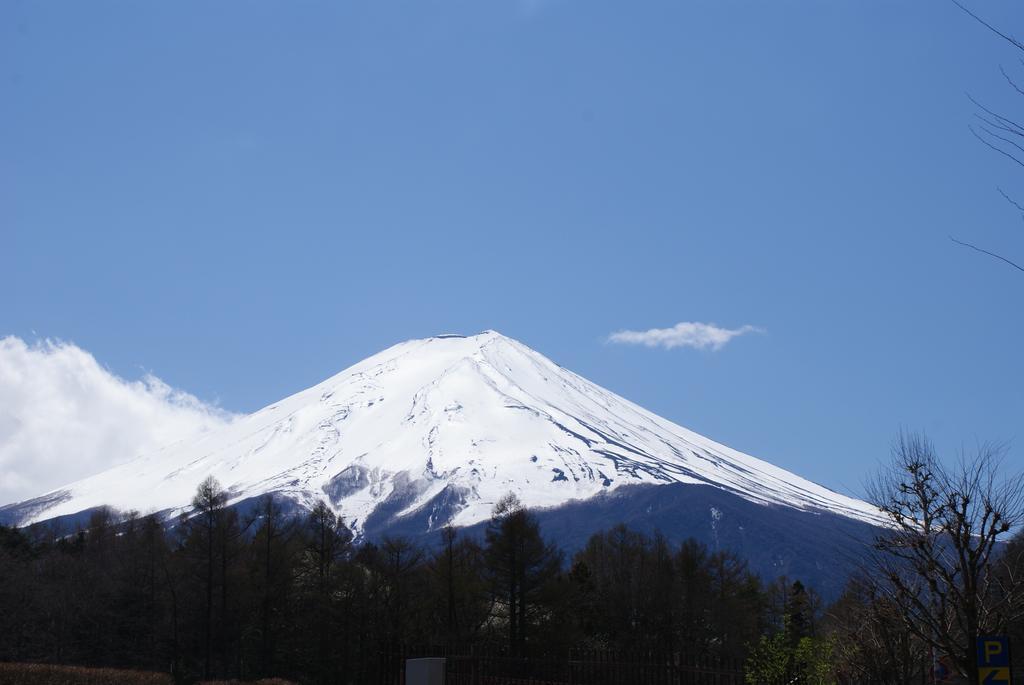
[{"x": 482, "y": 336}]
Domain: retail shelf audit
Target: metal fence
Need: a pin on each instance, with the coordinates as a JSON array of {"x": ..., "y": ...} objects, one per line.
[{"x": 485, "y": 665}]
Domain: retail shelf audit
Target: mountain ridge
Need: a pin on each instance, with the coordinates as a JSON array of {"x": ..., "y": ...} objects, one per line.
[{"x": 446, "y": 425}]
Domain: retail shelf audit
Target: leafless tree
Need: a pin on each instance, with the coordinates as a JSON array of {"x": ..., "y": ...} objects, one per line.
[
  {"x": 941, "y": 561},
  {"x": 873, "y": 644},
  {"x": 1002, "y": 134}
]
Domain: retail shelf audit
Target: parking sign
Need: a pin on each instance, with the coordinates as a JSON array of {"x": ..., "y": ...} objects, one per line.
[{"x": 994, "y": 660}]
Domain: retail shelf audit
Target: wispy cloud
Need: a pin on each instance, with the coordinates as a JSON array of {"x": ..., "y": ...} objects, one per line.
[
  {"x": 64, "y": 417},
  {"x": 702, "y": 336}
]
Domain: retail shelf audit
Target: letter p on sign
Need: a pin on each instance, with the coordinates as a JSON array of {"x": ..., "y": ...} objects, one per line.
[{"x": 993, "y": 651}]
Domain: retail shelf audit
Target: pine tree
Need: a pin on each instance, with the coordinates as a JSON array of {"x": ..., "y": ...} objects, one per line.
[{"x": 519, "y": 563}]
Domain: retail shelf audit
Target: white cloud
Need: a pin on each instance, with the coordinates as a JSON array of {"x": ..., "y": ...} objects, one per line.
[
  {"x": 64, "y": 417},
  {"x": 702, "y": 336}
]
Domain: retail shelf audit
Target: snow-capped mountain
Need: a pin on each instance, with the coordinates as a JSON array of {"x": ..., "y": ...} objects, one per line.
[{"x": 435, "y": 431}]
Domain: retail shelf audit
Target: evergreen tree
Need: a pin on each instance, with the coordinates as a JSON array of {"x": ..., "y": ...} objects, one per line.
[
  {"x": 272, "y": 557},
  {"x": 320, "y": 574},
  {"x": 519, "y": 562},
  {"x": 209, "y": 531},
  {"x": 460, "y": 605}
]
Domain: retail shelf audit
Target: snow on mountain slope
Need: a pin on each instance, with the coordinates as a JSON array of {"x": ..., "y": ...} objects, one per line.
[{"x": 459, "y": 419}]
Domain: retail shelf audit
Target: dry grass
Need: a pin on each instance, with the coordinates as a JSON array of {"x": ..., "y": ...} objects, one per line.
[
  {"x": 46, "y": 674},
  {"x": 266, "y": 681}
]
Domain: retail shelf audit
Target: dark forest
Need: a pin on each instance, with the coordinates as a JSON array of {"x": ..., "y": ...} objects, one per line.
[{"x": 218, "y": 596}]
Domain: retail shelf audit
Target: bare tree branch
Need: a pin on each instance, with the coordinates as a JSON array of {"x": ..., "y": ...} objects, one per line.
[
  {"x": 1005, "y": 120},
  {"x": 990, "y": 254},
  {"x": 999, "y": 137},
  {"x": 1009, "y": 80},
  {"x": 1009, "y": 39},
  {"x": 995, "y": 147},
  {"x": 1011, "y": 200}
]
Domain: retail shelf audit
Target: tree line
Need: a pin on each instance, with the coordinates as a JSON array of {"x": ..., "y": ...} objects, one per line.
[{"x": 273, "y": 593}]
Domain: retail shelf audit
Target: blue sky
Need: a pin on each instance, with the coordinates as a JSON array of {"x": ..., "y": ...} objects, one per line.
[{"x": 245, "y": 198}]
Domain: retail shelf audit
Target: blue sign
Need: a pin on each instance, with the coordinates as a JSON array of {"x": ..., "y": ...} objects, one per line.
[{"x": 994, "y": 660}]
